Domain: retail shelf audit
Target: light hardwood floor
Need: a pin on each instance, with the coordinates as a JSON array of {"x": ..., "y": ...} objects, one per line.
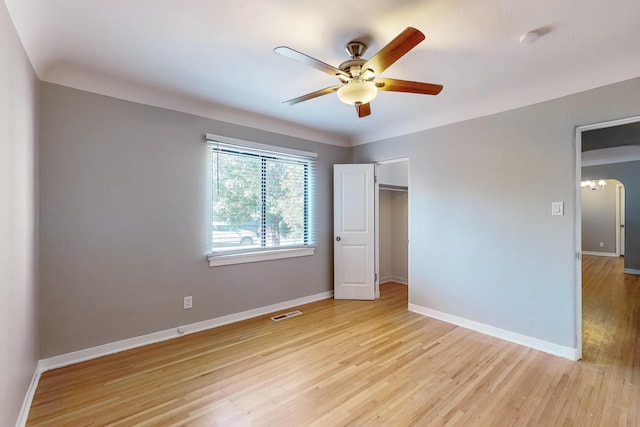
[{"x": 364, "y": 363}]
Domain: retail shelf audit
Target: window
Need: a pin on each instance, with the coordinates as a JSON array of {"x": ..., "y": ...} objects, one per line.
[{"x": 262, "y": 201}]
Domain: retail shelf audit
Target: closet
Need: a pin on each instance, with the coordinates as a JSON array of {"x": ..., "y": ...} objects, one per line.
[{"x": 393, "y": 223}]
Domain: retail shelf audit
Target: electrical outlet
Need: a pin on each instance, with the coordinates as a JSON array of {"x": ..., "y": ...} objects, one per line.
[
  {"x": 188, "y": 302},
  {"x": 180, "y": 330},
  {"x": 602, "y": 244}
]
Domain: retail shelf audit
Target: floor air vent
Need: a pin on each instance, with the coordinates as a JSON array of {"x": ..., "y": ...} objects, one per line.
[{"x": 286, "y": 315}]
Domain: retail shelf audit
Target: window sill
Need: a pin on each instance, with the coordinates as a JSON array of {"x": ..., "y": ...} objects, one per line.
[{"x": 218, "y": 260}]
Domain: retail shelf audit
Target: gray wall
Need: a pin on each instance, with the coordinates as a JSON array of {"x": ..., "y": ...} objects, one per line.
[
  {"x": 400, "y": 238},
  {"x": 599, "y": 218},
  {"x": 395, "y": 173},
  {"x": 484, "y": 245},
  {"x": 18, "y": 278},
  {"x": 123, "y": 233},
  {"x": 627, "y": 173}
]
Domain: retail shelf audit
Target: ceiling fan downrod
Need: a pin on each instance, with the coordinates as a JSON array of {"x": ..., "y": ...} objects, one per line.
[{"x": 356, "y": 49}]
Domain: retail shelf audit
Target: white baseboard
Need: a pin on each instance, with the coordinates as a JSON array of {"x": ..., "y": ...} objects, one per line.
[
  {"x": 387, "y": 279},
  {"x": 632, "y": 271},
  {"x": 611, "y": 254},
  {"x": 545, "y": 346},
  {"x": 129, "y": 343},
  {"x": 28, "y": 399}
]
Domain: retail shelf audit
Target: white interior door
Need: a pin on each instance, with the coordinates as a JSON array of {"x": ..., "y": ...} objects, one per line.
[{"x": 354, "y": 232}]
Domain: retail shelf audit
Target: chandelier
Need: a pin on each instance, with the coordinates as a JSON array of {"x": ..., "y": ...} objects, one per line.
[{"x": 592, "y": 184}]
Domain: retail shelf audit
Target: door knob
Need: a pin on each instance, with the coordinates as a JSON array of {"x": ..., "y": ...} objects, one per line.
[{"x": 338, "y": 239}]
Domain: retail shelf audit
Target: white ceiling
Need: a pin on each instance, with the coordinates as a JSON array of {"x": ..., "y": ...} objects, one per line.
[{"x": 215, "y": 58}]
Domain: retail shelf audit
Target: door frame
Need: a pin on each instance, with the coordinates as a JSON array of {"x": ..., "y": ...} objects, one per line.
[
  {"x": 620, "y": 207},
  {"x": 578, "y": 220}
]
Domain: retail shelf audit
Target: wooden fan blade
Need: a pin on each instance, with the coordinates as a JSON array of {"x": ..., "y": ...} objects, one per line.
[
  {"x": 306, "y": 59},
  {"x": 393, "y": 85},
  {"x": 325, "y": 91},
  {"x": 363, "y": 110},
  {"x": 394, "y": 50}
]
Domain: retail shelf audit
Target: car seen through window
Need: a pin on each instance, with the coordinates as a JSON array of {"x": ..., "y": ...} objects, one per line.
[{"x": 228, "y": 236}]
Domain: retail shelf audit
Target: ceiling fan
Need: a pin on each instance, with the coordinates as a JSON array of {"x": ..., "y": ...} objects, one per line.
[{"x": 359, "y": 77}]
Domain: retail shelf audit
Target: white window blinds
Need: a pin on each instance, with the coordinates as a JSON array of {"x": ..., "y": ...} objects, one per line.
[{"x": 262, "y": 199}]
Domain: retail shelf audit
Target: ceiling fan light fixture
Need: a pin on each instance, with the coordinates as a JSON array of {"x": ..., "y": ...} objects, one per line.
[{"x": 357, "y": 91}]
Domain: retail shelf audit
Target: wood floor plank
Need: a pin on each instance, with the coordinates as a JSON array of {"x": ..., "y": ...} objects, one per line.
[{"x": 364, "y": 363}]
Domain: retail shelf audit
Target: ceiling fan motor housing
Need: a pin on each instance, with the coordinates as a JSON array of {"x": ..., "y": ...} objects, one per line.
[{"x": 353, "y": 67}]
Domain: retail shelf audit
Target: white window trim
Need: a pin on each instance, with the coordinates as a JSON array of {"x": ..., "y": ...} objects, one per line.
[
  {"x": 217, "y": 260},
  {"x": 221, "y": 259}
]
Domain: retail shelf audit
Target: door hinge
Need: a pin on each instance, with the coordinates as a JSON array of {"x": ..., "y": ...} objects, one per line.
[
  {"x": 375, "y": 277},
  {"x": 375, "y": 179},
  {"x": 578, "y": 255}
]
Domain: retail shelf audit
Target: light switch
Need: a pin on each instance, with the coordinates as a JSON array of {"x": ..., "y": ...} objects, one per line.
[{"x": 557, "y": 208}]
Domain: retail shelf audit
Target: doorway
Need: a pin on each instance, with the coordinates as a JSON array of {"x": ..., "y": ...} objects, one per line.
[
  {"x": 363, "y": 237},
  {"x": 392, "y": 245},
  {"x": 604, "y": 153},
  {"x": 620, "y": 216}
]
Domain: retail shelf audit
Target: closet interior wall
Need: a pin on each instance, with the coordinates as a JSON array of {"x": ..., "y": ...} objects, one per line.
[{"x": 393, "y": 226}]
